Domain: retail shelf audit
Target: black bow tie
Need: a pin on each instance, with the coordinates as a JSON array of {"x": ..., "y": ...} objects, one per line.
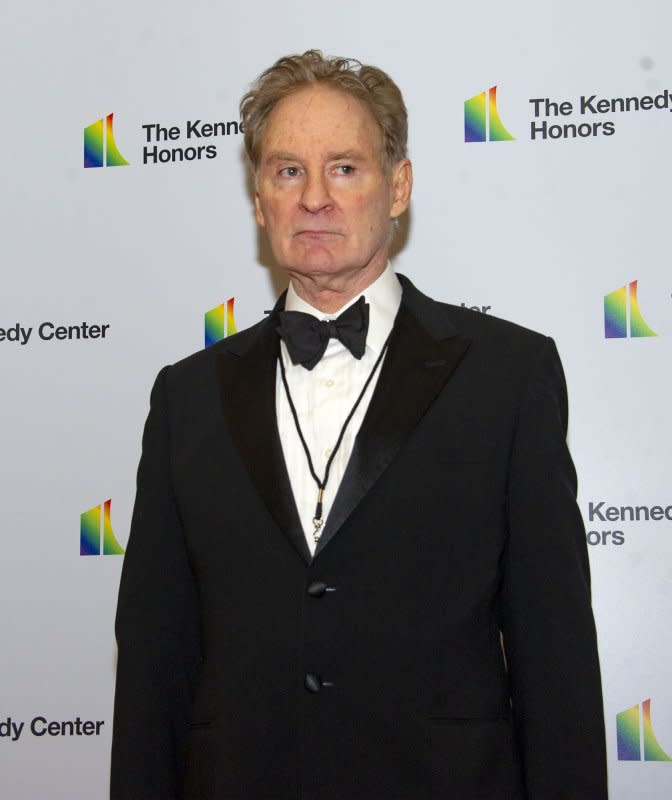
[{"x": 307, "y": 337}]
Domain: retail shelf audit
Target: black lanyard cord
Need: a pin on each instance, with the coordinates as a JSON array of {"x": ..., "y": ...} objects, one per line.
[{"x": 321, "y": 484}]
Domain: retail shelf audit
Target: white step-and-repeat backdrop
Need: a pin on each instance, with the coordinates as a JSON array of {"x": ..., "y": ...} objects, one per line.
[{"x": 540, "y": 135}]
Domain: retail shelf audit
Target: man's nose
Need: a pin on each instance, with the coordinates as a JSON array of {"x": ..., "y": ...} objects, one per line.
[{"x": 316, "y": 196}]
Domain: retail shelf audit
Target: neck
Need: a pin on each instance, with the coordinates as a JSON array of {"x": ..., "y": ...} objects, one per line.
[{"x": 329, "y": 293}]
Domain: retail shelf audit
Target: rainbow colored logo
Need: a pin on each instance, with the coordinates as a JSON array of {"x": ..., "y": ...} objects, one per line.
[
  {"x": 633, "y": 728},
  {"x": 100, "y": 148},
  {"x": 622, "y": 315},
  {"x": 482, "y": 122},
  {"x": 220, "y": 322},
  {"x": 96, "y": 525}
]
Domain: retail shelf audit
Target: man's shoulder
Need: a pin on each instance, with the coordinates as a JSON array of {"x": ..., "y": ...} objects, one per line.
[
  {"x": 202, "y": 362},
  {"x": 477, "y": 325},
  {"x": 484, "y": 325}
]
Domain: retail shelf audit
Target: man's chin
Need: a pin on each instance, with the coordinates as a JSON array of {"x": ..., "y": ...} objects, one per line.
[{"x": 321, "y": 264}]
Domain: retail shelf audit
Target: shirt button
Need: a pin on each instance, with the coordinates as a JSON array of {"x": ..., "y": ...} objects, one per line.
[
  {"x": 327, "y": 452},
  {"x": 329, "y": 383},
  {"x": 312, "y": 683}
]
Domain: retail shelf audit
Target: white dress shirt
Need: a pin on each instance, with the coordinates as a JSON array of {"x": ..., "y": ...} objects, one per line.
[{"x": 324, "y": 396}]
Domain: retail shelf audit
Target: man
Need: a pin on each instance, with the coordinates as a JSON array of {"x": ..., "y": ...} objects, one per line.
[{"x": 356, "y": 568}]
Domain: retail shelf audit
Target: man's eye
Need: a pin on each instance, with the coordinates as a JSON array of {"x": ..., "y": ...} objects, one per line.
[
  {"x": 345, "y": 169},
  {"x": 290, "y": 172}
]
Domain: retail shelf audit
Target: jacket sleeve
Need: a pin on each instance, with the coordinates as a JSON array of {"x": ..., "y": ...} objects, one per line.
[
  {"x": 548, "y": 627},
  {"x": 157, "y": 628}
]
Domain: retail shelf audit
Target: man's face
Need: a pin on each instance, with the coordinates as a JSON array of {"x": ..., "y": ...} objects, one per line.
[{"x": 322, "y": 193}]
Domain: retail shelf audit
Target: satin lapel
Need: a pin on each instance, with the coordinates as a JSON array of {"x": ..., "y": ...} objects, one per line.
[
  {"x": 415, "y": 370},
  {"x": 247, "y": 386}
]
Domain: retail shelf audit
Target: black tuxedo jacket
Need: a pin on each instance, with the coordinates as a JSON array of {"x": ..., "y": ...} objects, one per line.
[{"x": 440, "y": 644}]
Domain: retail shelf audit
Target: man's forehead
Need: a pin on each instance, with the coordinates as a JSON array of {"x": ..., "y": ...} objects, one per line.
[{"x": 321, "y": 116}]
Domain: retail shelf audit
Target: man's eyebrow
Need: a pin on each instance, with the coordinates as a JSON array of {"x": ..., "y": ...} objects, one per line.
[
  {"x": 281, "y": 155},
  {"x": 336, "y": 155},
  {"x": 345, "y": 155}
]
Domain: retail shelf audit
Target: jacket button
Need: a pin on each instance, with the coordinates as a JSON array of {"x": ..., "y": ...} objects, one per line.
[
  {"x": 312, "y": 682},
  {"x": 317, "y": 588}
]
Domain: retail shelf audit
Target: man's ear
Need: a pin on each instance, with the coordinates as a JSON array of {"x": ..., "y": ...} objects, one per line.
[
  {"x": 258, "y": 213},
  {"x": 402, "y": 184}
]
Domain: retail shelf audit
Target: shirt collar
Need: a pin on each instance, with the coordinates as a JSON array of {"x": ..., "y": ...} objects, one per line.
[{"x": 383, "y": 297}]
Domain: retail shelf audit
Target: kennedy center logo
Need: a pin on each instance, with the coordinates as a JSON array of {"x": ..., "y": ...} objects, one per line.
[
  {"x": 100, "y": 148},
  {"x": 96, "y": 527},
  {"x": 634, "y": 729},
  {"x": 622, "y": 315},
  {"x": 482, "y": 122},
  {"x": 219, "y": 322}
]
